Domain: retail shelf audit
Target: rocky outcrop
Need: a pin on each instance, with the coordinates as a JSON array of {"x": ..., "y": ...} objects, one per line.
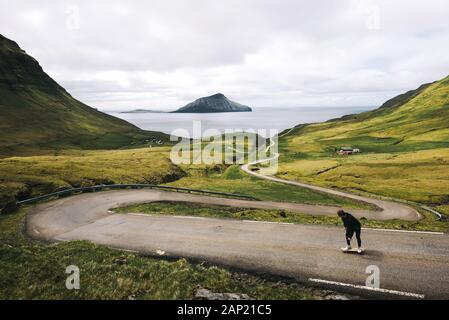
[{"x": 215, "y": 103}]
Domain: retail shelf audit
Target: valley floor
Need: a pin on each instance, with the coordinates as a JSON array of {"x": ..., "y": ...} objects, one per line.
[
  {"x": 419, "y": 176},
  {"x": 36, "y": 270}
]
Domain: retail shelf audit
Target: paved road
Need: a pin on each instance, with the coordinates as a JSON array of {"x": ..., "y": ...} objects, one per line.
[
  {"x": 410, "y": 262},
  {"x": 390, "y": 210}
]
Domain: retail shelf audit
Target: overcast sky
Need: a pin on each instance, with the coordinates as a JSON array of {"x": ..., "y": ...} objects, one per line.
[{"x": 118, "y": 55}]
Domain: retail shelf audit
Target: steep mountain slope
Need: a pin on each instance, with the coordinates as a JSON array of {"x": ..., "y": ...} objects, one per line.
[
  {"x": 404, "y": 149},
  {"x": 215, "y": 103},
  {"x": 37, "y": 114},
  {"x": 416, "y": 120}
]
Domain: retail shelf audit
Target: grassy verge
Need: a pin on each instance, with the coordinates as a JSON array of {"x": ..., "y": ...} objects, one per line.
[
  {"x": 24, "y": 177},
  {"x": 420, "y": 176},
  {"x": 235, "y": 180},
  {"x": 404, "y": 149},
  {"x": 33, "y": 270},
  {"x": 217, "y": 211}
]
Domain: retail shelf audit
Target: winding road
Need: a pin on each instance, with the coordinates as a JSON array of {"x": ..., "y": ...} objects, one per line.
[
  {"x": 411, "y": 264},
  {"x": 389, "y": 209}
]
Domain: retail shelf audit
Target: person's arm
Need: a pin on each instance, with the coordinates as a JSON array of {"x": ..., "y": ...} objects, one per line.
[{"x": 345, "y": 222}]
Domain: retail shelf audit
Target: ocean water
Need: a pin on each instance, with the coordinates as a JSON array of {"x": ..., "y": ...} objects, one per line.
[{"x": 262, "y": 118}]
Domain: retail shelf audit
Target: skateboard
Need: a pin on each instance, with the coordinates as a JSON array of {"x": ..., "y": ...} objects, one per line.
[{"x": 353, "y": 250}]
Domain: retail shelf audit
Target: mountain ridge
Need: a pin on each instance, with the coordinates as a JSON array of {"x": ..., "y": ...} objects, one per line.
[
  {"x": 39, "y": 115},
  {"x": 404, "y": 149},
  {"x": 418, "y": 117}
]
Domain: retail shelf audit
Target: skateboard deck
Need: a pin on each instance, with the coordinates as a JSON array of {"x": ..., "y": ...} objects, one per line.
[{"x": 353, "y": 250}]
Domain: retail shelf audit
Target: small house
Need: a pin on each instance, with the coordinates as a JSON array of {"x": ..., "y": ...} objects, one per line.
[{"x": 347, "y": 151}]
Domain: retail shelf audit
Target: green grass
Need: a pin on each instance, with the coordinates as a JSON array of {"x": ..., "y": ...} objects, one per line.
[
  {"x": 418, "y": 124},
  {"x": 234, "y": 180},
  {"x": 420, "y": 176},
  {"x": 24, "y": 177},
  {"x": 428, "y": 223},
  {"x": 37, "y": 122},
  {"x": 405, "y": 155},
  {"x": 38, "y": 115},
  {"x": 405, "y": 149},
  {"x": 33, "y": 270}
]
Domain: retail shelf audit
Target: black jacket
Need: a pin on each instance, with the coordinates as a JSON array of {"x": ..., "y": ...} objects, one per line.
[{"x": 350, "y": 222}]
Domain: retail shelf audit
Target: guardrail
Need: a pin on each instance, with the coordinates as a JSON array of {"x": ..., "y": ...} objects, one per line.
[{"x": 67, "y": 192}]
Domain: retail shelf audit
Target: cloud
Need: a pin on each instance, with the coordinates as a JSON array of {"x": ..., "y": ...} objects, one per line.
[{"x": 162, "y": 54}]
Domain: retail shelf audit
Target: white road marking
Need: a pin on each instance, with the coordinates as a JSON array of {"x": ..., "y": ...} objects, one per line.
[
  {"x": 268, "y": 222},
  {"x": 404, "y": 231},
  {"x": 206, "y": 218},
  {"x": 289, "y": 223},
  {"x": 396, "y": 292},
  {"x": 139, "y": 214},
  {"x": 171, "y": 216}
]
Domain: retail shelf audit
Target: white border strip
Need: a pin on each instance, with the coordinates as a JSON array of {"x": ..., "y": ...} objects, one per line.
[
  {"x": 342, "y": 284},
  {"x": 404, "y": 231},
  {"x": 281, "y": 223},
  {"x": 207, "y": 218},
  {"x": 266, "y": 222}
]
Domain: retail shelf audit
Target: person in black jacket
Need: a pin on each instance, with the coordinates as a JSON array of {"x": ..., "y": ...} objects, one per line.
[{"x": 352, "y": 225}]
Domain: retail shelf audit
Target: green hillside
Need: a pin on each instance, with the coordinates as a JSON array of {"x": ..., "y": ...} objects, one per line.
[
  {"x": 417, "y": 120},
  {"x": 404, "y": 148},
  {"x": 38, "y": 115}
]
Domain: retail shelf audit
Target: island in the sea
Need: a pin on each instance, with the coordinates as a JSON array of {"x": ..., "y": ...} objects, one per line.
[{"x": 212, "y": 104}]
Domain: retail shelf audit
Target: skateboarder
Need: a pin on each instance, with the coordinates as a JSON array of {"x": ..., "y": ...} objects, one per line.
[{"x": 352, "y": 225}]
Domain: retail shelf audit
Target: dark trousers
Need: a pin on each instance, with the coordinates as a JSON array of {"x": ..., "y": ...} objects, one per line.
[{"x": 350, "y": 234}]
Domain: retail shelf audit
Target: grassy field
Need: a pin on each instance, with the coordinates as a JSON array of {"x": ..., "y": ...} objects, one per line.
[
  {"x": 64, "y": 143},
  {"x": 421, "y": 176},
  {"x": 24, "y": 177},
  {"x": 428, "y": 223},
  {"x": 404, "y": 144},
  {"x": 33, "y": 270},
  {"x": 234, "y": 180}
]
